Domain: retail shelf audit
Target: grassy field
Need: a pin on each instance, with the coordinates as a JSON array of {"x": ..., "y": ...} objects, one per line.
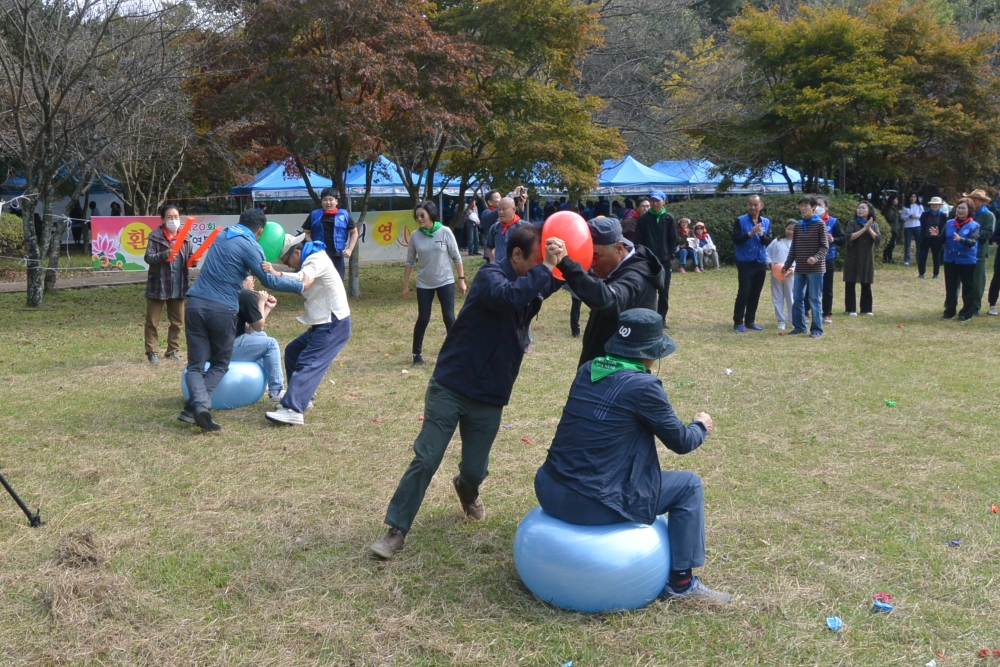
[{"x": 166, "y": 547}]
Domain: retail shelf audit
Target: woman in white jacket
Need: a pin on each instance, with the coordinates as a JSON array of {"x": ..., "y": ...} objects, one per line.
[
  {"x": 781, "y": 290},
  {"x": 703, "y": 246}
]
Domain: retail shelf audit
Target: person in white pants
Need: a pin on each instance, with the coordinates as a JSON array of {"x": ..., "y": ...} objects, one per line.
[{"x": 781, "y": 290}]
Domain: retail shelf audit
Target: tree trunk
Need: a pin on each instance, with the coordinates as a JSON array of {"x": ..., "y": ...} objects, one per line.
[
  {"x": 51, "y": 275},
  {"x": 34, "y": 248}
]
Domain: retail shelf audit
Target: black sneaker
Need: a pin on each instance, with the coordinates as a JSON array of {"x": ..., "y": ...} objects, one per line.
[
  {"x": 203, "y": 418},
  {"x": 186, "y": 416},
  {"x": 154, "y": 358},
  {"x": 576, "y": 333},
  {"x": 418, "y": 360}
]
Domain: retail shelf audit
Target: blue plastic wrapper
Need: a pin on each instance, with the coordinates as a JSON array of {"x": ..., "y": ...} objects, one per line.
[
  {"x": 883, "y": 606},
  {"x": 834, "y": 623}
]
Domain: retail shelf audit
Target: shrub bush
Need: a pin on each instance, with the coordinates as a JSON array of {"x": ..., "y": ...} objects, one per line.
[
  {"x": 11, "y": 236},
  {"x": 718, "y": 214}
]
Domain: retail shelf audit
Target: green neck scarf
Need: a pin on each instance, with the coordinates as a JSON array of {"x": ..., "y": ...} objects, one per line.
[
  {"x": 602, "y": 367},
  {"x": 430, "y": 232}
]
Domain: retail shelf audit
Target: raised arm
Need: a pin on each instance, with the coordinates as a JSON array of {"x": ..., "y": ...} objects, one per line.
[
  {"x": 656, "y": 413},
  {"x": 595, "y": 292}
]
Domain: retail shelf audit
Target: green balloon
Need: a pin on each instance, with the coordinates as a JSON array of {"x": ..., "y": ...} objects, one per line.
[{"x": 271, "y": 240}]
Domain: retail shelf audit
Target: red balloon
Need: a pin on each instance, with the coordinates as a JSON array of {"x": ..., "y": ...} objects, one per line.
[{"x": 571, "y": 228}]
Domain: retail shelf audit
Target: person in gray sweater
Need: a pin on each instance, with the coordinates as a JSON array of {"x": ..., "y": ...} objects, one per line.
[{"x": 433, "y": 247}]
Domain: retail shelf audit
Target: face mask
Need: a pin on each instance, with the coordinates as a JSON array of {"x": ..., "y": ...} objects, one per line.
[
  {"x": 820, "y": 211},
  {"x": 173, "y": 225}
]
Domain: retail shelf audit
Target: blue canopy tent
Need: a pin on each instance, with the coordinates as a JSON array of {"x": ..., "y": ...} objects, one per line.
[
  {"x": 386, "y": 181},
  {"x": 629, "y": 176},
  {"x": 15, "y": 185},
  {"x": 697, "y": 173},
  {"x": 272, "y": 183}
]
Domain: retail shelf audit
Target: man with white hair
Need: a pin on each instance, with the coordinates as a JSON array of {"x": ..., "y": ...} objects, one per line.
[{"x": 329, "y": 320}]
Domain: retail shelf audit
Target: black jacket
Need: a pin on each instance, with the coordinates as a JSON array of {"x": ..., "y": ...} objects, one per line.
[
  {"x": 632, "y": 285},
  {"x": 931, "y": 219},
  {"x": 482, "y": 353},
  {"x": 659, "y": 235}
]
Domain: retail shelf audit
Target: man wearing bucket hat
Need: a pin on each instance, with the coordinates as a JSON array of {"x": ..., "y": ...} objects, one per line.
[
  {"x": 621, "y": 277},
  {"x": 329, "y": 320},
  {"x": 657, "y": 230},
  {"x": 986, "y": 221},
  {"x": 602, "y": 467}
]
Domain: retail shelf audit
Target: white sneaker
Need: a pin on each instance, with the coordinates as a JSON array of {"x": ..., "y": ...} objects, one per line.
[
  {"x": 992, "y": 311},
  {"x": 781, "y": 326},
  {"x": 852, "y": 314},
  {"x": 285, "y": 416},
  {"x": 276, "y": 398},
  {"x": 870, "y": 314}
]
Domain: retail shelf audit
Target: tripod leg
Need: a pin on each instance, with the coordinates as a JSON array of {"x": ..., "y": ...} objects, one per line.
[{"x": 36, "y": 518}]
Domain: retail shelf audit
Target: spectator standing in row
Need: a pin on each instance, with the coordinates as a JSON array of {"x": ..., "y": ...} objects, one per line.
[
  {"x": 507, "y": 221},
  {"x": 781, "y": 290},
  {"x": 835, "y": 235},
  {"x": 859, "y": 259},
  {"x": 166, "y": 284},
  {"x": 751, "y": 236},
  {"x": 986, "y": 221},
  {"x": 657, "y": 231},
  {"x": 960, "y": 259},
  {"x": 472, "y": 227},
  {"x": 810, "y": 244},
  {"x": 632, "y": 217},
  {"x": 488, "y": 218},
  {"x": 336, "y": 229},
  {"x": 911, "y": 226},
  {"x": 932, "y": 222},
  {"x": 895, "y": 224},
  {"x": 994, "y": 293},
  {"x": 116, "y": 208}
]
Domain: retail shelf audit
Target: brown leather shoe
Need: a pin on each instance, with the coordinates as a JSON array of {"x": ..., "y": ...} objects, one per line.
[
  {"x": 387, "y": 545},
  {"x": 474, "y": 510}
]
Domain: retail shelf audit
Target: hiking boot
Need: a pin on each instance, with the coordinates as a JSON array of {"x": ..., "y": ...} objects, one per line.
[
  {"x": 173, "y": 356},
  {"x": 154, "y": 358},
  {"x": 696, "y": 591},
  {"x": 285, "y": 415},
  {"x": 474, "y": 510},
  {"x": 186, "y": 416},
  {"x": 203, "y": 418},
  {"x": 387, "y": 545}
]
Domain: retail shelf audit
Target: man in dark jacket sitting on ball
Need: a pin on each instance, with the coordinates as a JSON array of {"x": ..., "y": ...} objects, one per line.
[
  {"x": 621, "y": 277},
  {"x": 602, "y": 467}
]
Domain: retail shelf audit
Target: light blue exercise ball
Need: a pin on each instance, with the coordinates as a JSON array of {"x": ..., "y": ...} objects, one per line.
[
  {"x": 592, "y": 568},
  {"x": 243, "y": 384}
]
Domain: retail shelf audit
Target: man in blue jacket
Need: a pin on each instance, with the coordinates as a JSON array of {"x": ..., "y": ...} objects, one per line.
[
  {"x": 212, "y": 306},
  {"x": 603, "y": 468},
  {"x": 334, "y": 227},
  {"x": 835, "y": 235},
  {"x": 751, "y": 236},
  {"x": 474, "y": 377}
]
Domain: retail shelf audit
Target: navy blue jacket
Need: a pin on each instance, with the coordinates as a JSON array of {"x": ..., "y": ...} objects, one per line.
[
  {"x": 931, "y": 218},
  {"x": 482, "y": 354},
  {"x": 964, "y": 251},
  {"x": 604, "y": 446},
  {"x": 751, "y": 248},
  {"x": 833, "y": 229}
]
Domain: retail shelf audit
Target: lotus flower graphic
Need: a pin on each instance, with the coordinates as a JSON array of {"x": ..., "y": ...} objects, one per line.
[{"x": 105, "y": 245}]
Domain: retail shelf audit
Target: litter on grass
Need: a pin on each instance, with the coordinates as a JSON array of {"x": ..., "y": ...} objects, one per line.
[
  {"x": 527, "y": 440},
  {"x": 834, "y": 623},
  {"x": 506, "y": 426},
  {"x": 955, "y": 543},
  {"x": 932, "y": 663},
  {"x": 883, "y": 606},
  {"x": 729, "y": 371},
  {"x": 378, "y": 421},
  {"x": 882, "y": 597},
  {"x": 890, "y": 404},
  {"x": 995, "y": 509}
]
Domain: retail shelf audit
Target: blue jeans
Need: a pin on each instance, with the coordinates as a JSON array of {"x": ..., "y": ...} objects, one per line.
[
  {"x": 682, "y": 256},
  {"x": 472, "y": 230},
  {"x": 307, "y": 358},
  {"x": 264, "y": 350},
  {"x": 910, "y": 234},
  {"x": 811, "y": 284}
]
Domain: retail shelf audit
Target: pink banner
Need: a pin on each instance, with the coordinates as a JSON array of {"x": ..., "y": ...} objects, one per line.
[{"x": 119, "y": 242}]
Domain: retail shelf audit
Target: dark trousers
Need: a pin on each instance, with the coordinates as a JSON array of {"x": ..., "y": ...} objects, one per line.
[
  {"x": 472, "y": 231},
  {"x": 910, "y": 235},
  {"x": 307, "y": 358},
  {"x": 936, "y": 251},
  {"x": 828, "y": 288},
  {"x": 663, "y": 296},
  {"x": 338, "y": 263},
  {"x": 681, "y": 499},
  {"x": 979, "y": 275},
  {"x": 958, "y": 276},
  {"x": 751, "y": 281},
  {"x": 574, "y": 314},
  {"x": 77, "y": 234},
  {"x": 210, "y": 329},
  {"x": 995, "y": 282},
  {"x": 887, "y": 252},
  {"x": 425, "y": 301},
  {"x": 444, "y": 410},
  {"x": 850, "y": 297}
]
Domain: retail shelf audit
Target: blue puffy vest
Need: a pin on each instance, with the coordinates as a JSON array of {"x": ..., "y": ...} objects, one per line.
[
  {"x": 959, "y": 253},
  {"x": 832, "y": 253},
  {"x": 752, "y": 250},
  {"x": 339, "y": 228}
]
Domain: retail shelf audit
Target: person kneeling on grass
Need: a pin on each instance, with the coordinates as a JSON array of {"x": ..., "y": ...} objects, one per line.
[
  {"x": 252, "y": 344},
  {"x": 475, "y": 373},
  {"x": 602, "y": 467},
  {"x": 327, "y": 316}
]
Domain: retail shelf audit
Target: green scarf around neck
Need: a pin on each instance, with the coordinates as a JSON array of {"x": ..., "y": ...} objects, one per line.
[
  {"x": 430, "y": 232},
  {"x": 602, "y": 367}
]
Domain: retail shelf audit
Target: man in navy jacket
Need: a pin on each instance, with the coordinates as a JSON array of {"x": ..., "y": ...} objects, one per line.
[
  {"x": 751, "y": 236},
  {"x": 475, "y": 374}
]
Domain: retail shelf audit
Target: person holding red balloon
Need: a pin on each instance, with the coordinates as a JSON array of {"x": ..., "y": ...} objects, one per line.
[
  {"x": 622, "y": 277},
  {"x": 474, "y": 377},
  {"x": 657, "y": 230}
]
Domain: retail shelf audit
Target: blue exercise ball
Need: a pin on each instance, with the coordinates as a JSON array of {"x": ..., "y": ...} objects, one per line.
[
  {"x": 592, "y": 568},
  {"x": 243, "y": 384}
]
